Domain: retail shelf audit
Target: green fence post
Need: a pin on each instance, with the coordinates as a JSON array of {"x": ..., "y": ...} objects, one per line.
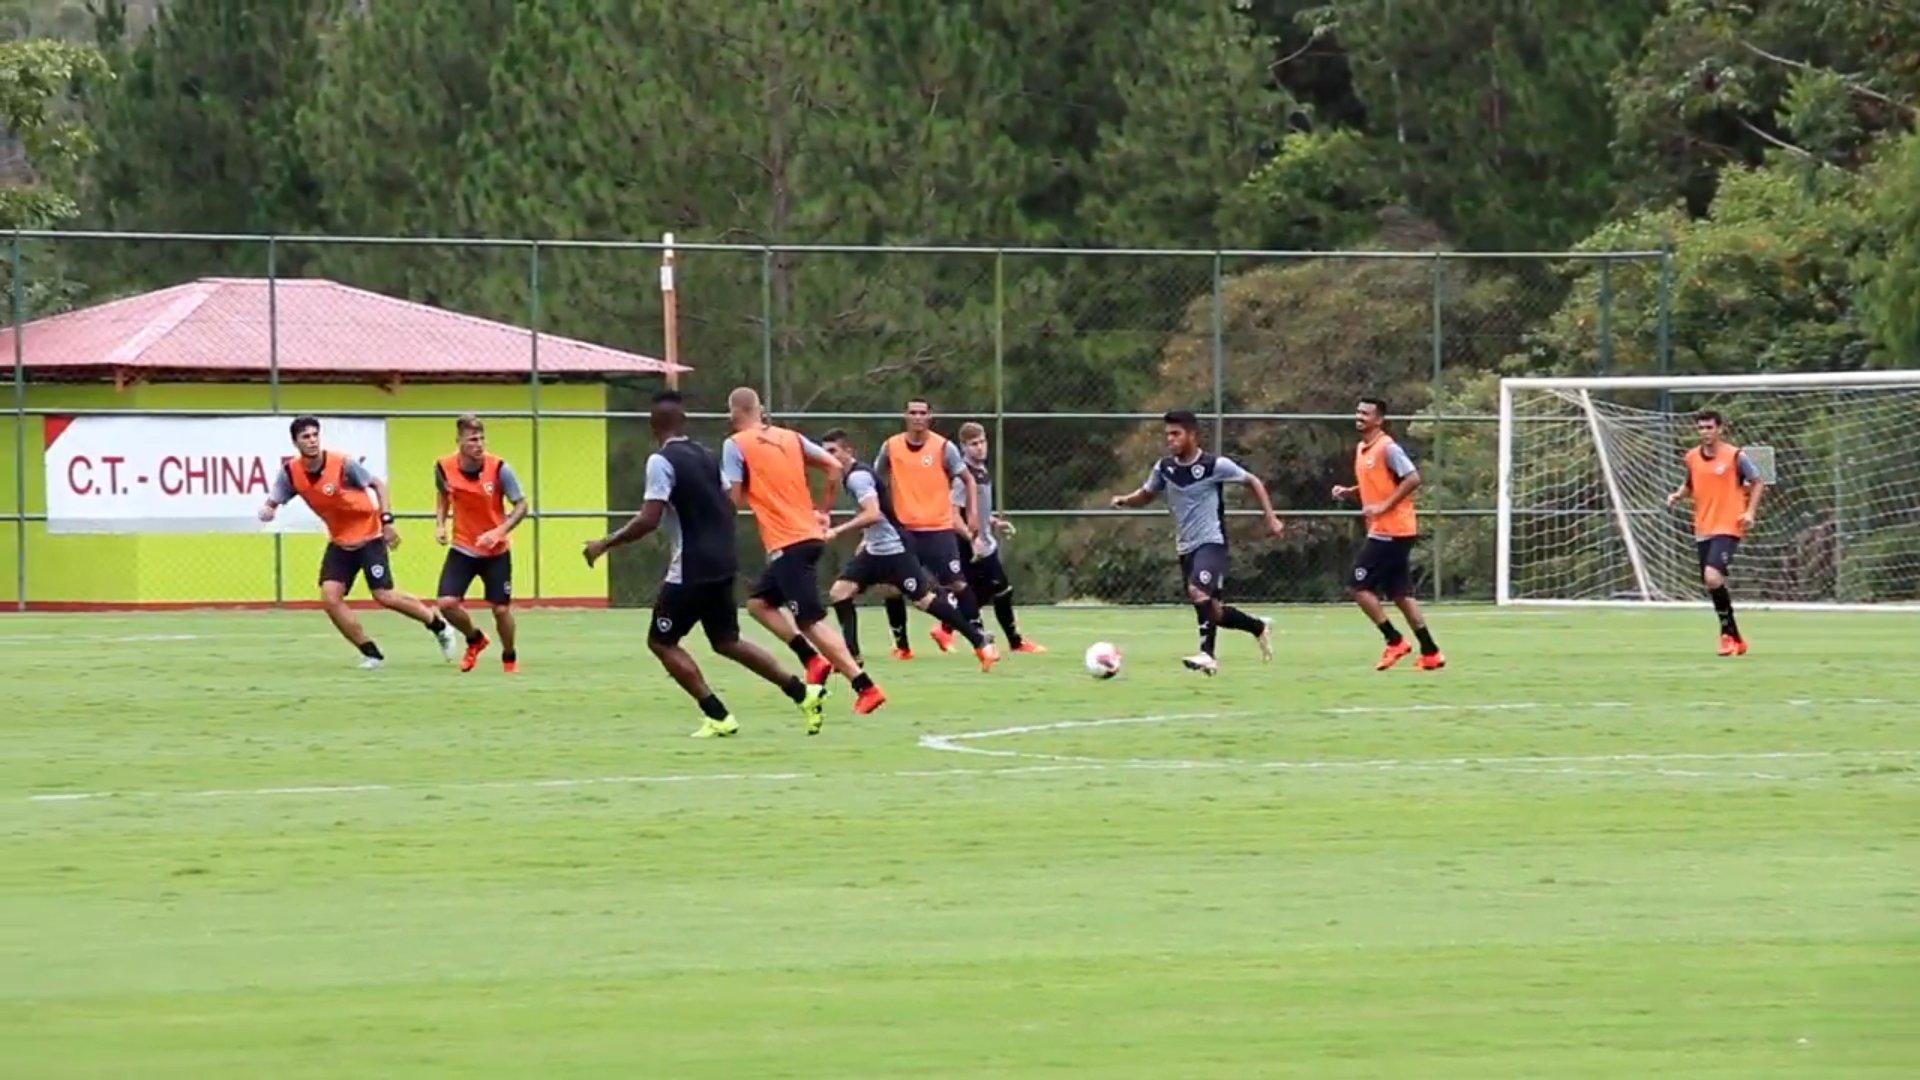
[
  {"x": 766, "y": 326},
  {"x": 273, "y": 403},
  {"x": 1000, "y": 378},
  {"x": 1439, "y": 354},
  {"x": 533, "y": 394},
  {"x": 1606, "y": 316},
  {"x": 1219, "y": 358},
  {"x": 16, "y": 306}
]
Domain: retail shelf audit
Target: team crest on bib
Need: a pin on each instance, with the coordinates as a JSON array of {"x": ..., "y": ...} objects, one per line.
[
  {"x": 487, "y": 487},
  {"x": 326, "y": 489},
  {"x": 1719, "y": 470},
  {"x": 926, "y": 459}
]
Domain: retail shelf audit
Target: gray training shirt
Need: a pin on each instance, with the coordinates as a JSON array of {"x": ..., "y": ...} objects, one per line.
[
  {"x": 660, "y": 489},
  {"x": 982, "y": 479},
  {"x": 1194, "y": 497},
  {"x": 880, "y": 538}
]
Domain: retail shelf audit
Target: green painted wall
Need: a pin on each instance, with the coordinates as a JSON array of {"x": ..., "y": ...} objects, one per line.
[{"x": 230, "y": 567}]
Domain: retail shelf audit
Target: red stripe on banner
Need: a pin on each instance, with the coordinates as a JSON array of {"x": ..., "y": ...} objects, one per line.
[
  {"x": 56, "y": 426},
  {"x": 268, "y": 605}
]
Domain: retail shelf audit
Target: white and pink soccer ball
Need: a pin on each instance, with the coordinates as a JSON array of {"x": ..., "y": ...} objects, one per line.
[{"x": 1103, "y": 660}]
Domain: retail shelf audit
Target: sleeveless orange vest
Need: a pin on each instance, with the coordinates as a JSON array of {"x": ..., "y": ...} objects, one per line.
[
  {"x": 917, "y": 478},
  {"x": 351, "y": 514},
  {"x": 777, "y": 486},
  {"x": 477, "y": 502},
  {"x": 1719, "y": 498},
  {"x": 1377, "y": 483}
]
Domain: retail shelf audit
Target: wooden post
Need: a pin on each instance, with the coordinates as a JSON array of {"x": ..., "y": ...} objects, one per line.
[{"x": 670, "y": 314}]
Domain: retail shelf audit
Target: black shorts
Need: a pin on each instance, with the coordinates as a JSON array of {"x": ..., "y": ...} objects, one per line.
[
  {"x": 343, "y": 565},
  {"x": 939, "y": 551},
  {"x": 986, "y": 576},
  {"x": 1205, "y": 568},
  {"x": 1717, "y": 552},
  {"x": 679, "y": 607},
  {"x": 792, "y": 580},
  {"x": 1384, "y": 567},
  {"x": 900, "y": 570},
  {"x": 494, "y": 571}
]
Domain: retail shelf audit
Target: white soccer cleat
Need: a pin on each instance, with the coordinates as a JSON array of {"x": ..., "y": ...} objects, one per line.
[
  {"x": 370, "y": 663},
  {"x": 1202, "y": 663},
  {"x": 1266, "y": 641},
  {"x": 449, "y": 642}
]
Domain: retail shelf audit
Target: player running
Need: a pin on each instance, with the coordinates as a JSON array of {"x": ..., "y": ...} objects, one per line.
[
  {"x": 1385, "y": 482},
  {"x": 986, "y": 574},
  {"x": 472, "y": 490},
  {"x": 1191, "y": 479},
  {"x": 1717, "y": 473},
  {"x": 765, "y": 468},
  {"x": 882, "y": 558},
  {"x": 918, "y": 466},
  {"x": 684, "y": 494},
  {"x": 353, "y": 504}
]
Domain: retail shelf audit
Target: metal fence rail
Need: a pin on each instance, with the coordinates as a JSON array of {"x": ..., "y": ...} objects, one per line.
[{"x": 1068, "y": 356}]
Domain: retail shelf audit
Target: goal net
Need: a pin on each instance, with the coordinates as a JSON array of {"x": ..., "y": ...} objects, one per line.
[{"x": 1586, "y": 466}]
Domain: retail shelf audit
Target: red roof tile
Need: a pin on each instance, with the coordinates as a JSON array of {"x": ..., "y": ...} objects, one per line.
[{"x": 219, "y": 326}]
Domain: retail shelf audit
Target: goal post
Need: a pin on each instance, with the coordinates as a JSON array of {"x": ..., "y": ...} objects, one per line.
[{"x": 1585, "y": 466}]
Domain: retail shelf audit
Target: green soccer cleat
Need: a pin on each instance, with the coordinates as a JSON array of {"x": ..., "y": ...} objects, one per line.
[
  {"x": 814, "y": 708},
  {"x": 716, "y": 729}
]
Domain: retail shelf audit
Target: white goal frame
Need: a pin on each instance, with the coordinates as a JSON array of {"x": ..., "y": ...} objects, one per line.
[{"x": 1583, "y": 386}]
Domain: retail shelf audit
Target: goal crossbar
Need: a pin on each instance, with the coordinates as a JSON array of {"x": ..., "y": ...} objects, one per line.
[{"x": 1801, "y": 380}]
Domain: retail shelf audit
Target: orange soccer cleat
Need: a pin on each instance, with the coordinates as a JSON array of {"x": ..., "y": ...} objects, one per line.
[
  {"x": 1432, "y": 661},
  {"x": 988, "y": 657},
  {"x": 1392, "y": 654},
  {"x": 1732, "y": 646},
  {"x": 1033, "y": 647},
  {"x": 903, "y": 654},
  {"x": 870, "y": 699},
  {"x": 943, "y": 637},
  {"x": 510, "y": 666},
  {"x": 818, "y": 670},
  {"x": 474, "y": 649}
]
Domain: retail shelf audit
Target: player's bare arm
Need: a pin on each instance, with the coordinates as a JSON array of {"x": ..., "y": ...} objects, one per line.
[
  {"x": 387, "y": 532},
  {"x": 1407, "y": 485},
  {"x": 442, "y": 507},
  {"x": 1755, "y": 489},
  {"x": 1138, "y": 497},
  {"x": 1343, "y": 492},
  {"x": 817, "y": 458},
  {"x": 868, "y": 515},
  {"x": 636, "y": 528},
  {"x": 497, "y": 535},
  {"x": 1265, "y": 501},
  {"x": 1681, "y": 492}
]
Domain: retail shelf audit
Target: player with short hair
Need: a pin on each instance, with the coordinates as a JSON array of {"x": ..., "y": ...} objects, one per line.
[
  {"x": 684, "y": 495},
  {"x": 1726, "y": 488},
  {"x": 918, "y": 465},
  {"x": 882, "y": 557},
  {"x": 986, "y": 574},
  {"x": 764, "y": 468},
  {"x": 472, "y": 491},
  {"x": 1191, "y": 478},
  {"x": 1385, "y": 480},
  {"x": 353, "y": 505}
]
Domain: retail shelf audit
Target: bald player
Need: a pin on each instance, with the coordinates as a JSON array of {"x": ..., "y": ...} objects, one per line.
[
  {"x": 764, "y": 469},
  {"x": 1192, "y": 480},
  {"x": 684, "y": 495},
  {"x": 1726, "y": 489},
  {"x": 352, "y": 503},
  {"x": 1384, "y": 481}
]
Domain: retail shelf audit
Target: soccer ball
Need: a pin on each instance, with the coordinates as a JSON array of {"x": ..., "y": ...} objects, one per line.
[{"x": 1103, "y": 660}]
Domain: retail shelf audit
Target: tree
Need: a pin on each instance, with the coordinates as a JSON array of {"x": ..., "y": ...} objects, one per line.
[{"x": 39, "y": 82}]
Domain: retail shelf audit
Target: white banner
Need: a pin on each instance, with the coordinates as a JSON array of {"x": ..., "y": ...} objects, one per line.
[{"x": 135, "y": 474}]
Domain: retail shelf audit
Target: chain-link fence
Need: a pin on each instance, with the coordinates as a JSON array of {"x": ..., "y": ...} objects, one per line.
[{"x": 1068, "y": 357}]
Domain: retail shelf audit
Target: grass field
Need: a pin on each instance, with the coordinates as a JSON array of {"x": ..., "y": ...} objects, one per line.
[{"x": 1587, "y": 847}]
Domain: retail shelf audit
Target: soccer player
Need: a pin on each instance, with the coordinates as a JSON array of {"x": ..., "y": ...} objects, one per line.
[
  {"x": 1385, "y": 480},
  {"x": 353, "y": 505},
  {"x": 1192, "y": 479},
  {"x": 765, "y": 468},
  {"x": 684, "y": 494},
  {"x": 472, "y": 490},
  {"x": 1726, "y": 490},
  {"x": 882, "y": 558},
  {"x": 986, "y": 574},
  {"x": 918, "y": 466}
]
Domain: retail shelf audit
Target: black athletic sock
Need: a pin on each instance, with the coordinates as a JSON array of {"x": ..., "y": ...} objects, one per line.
[
  {"x": 862, "y": 683},
  {"x": 438, "y": 624},
  {"x": 475, "y": 637},
  {"x": 946, "y": 613},
  {"x": 802, "y": 648},
  {"x": 368, "y": 648},
  {"x": 711, "y": 706},
  {"x": 1003, "y": 611},
  {"x": 897, "y": 622},
  {"x": 1387, "y": 631},
  {"x": 795, "y": 690},
  {"x": 849, "y": 625},
  {"x": 1723, "y": 607},
  {"x": 1427, "y": 647},
  {"x": 968, "y": 605},
  {"x": 1234, "y": 619},
  {"x": 1203, "y": 612},
  {"x": 510, "y": 654}
]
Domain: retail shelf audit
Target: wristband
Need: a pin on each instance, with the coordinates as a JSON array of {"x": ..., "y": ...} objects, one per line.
[{"x": 386, "y": 519}]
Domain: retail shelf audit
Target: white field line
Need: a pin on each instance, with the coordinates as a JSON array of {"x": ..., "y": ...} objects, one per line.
[{"x": 1042, "y": 763}]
